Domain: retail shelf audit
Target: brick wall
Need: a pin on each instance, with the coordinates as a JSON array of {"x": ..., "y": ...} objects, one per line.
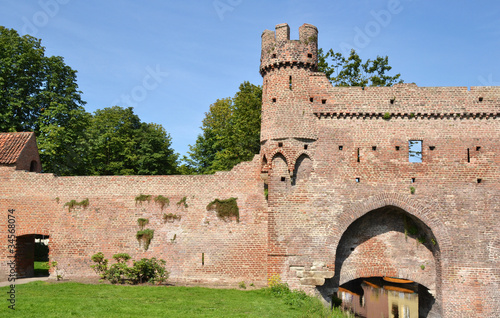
[{"x": 233, "y": 252}]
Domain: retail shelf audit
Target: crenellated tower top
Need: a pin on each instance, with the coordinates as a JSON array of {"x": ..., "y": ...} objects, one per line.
[{"x": 278, "y": 50}]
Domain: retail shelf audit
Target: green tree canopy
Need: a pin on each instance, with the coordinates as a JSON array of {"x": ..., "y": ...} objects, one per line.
[
  {"x": 230, "y": 132},
  {"x": 120, "y": 144},
  {"x": 40, "y": 94},
  {"x": 351, "y": 71}
]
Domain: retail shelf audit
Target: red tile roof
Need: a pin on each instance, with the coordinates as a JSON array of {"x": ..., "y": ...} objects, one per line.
[{"x": 11, "y": 145}]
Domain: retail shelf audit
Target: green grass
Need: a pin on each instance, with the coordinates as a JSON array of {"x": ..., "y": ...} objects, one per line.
[
  {"x": 44, "y": 299},
  {"x": 41, "y": 269}
]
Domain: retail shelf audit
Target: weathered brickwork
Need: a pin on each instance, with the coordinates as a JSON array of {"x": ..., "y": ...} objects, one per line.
[{"x": 344, "y": 199}]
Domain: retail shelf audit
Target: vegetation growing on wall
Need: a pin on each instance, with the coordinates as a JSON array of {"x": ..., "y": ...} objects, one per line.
[
  {"x": 225, "y": 208},
  {"x": 142, "y": 197},
  {"x": 73, "y": 203},
  {"x": 171, "y": 217},
  {"x": 182, "y": 202},
  {"x": 162, "y": 201},
  {"x": 142, "y": 222},
  {"x": 145, "y": 236}
]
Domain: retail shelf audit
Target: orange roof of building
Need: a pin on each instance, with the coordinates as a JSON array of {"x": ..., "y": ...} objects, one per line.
[{"x": 11, "y": 145}]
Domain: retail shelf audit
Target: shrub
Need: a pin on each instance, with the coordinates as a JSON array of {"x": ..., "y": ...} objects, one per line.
[
  {"x": 182, "y": 202},
  {"x": 142, "y": 222},
  {"x": 146, "y": 270},
  {"x": 142, "y": 197}
]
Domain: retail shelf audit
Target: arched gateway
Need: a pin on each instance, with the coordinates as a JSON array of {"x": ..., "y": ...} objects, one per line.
[{"x": 331, "y": 197}]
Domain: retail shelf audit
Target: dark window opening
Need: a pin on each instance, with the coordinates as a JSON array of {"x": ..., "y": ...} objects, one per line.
[
  {"x": 432, "y": 147},
  {"x": 274, "y": 100},
  {"x": 33, "y": 166},
  {"x": 480, "y": 99},
  {"x": 397, "y": 148},
  {"x": 357, "y": 180},
  {"x": 479, "y": 180},
  {"x": 305, "y": 147},
  {"x": 392, "y": 100},
  {"x": 311, "y": 99},
  {"x": 341, "y": 147},
  {"x": 309, "y": 55},
  {"x": 280, "y": 144},
  {"x": 283, "y": 179},
  {"x": 468, "y": 155},
  {"x": 202, "y": 258},
  {"x": 274, "y": 56},
  {"x": 374, "y": 148},
  {"x": 323, "y": 101},
  {"x": 478, "y": 148},
  {"x": 358, "y": 155},
  {"x": 290, "y": 82},
  {"x": 415, "y": 150},
  {"x": 412, "y": 180}
]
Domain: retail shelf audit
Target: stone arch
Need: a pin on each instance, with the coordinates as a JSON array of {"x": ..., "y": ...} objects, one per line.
[
  {"x": 303, "y": 167},
  {"x": 279, "y": 165},
  {"x": 406, "y": 205}
]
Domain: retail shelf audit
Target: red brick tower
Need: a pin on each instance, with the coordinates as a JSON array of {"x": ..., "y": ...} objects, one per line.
[{"x": 288, "y": 124}]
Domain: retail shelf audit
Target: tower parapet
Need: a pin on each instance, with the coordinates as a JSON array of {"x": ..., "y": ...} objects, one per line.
[{"x": 278, "y": 50}]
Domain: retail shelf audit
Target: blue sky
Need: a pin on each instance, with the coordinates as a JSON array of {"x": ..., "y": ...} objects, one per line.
[{"x": 171, "y": 59}]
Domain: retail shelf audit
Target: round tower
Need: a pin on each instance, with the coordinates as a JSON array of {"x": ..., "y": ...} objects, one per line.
[
  {"x": 288, "y": 123},
  {"x": 285, "y": 66}
]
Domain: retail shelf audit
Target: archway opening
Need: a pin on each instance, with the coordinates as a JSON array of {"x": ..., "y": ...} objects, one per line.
[
  {"x": 388, "y": 242},
  {"x": 32, "y": 255}
]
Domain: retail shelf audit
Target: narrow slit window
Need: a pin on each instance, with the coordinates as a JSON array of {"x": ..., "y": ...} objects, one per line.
[
  {"x": 202, "y": 259},
  {"x": 358, "y": 155},
  {"x": 290, "y": 82},
  {"x": 415, "y": 150},
  {"x": 311, "y": 99},
  {"x": 305, "y": 147},
  {"x": 468, "y": 155},
  {"x": 341, "y": 147}
]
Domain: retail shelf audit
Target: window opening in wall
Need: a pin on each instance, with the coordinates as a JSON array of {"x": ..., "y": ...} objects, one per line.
[
  {"x": 357, "y": 180},
  {"x": 432, "y": 147},
  {"x": 274, "y": 100},
  {"x": 311, "y": 99},
  {"x": 358, "y": 155},
  {"x": 478, "y": 148},
  {"x": 479, "y": 180},
  {"x": 280, "y": 144},
  {"x": 480, "y": 99},
  {"x": 309, "y": 55},
  {"x": 290, "y": 82},
  {"x": 202, "y": 258},
  {"x": 341, "y": 147},
  {"x": 468, "y": 155},
  {"x": 274, "y": 56},
  {"x": 283, "y": 179},
  {"x": 33, "y": 166},
  {"x": 397, "y": 148},
  {"x": 412, "y": 180},
  {"x": 323, "y": 101},
  {"x": 305, "y": 147},
  {"x": 392, "y": 100},
  {"x": 415, "y": 150},
  {"x": 374, "y": 148}
]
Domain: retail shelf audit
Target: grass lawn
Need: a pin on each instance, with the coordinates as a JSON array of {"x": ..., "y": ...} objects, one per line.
[
  {"x": 41, "y": 269},
  {"x": 45, "y": 299}
]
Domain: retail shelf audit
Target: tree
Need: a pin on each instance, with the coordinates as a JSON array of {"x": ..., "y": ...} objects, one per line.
[
  {"x": 120, "y": 144},
  {"x": 231, "y": 131},
  {"x": 352, "y": 71},
  {"x": 40, "y": 94}
]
